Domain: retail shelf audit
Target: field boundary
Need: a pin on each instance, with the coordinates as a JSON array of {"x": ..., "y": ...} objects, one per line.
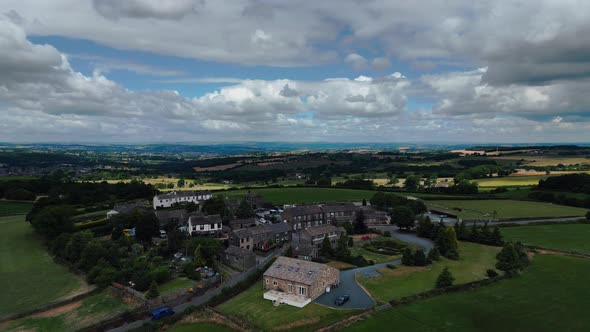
[{"x": 49, "y": 306}]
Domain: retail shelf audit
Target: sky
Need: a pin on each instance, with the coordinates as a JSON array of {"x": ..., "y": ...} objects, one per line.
[{"x": 147, "y": 71}]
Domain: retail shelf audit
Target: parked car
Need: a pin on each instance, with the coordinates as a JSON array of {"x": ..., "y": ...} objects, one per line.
[
  {"x": 162, "y": 312},
  {"x": 340, "y": 300}
]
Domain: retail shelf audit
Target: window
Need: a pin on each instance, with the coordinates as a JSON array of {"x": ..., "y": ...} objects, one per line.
[
  {"x": 274, "y": 282},
  {"x": 290, "y": 288},
  {"x": 212, "y": 226},
  {"x": 202, "y": 227},
  {"x": 300, "y": 290},
  {"x": 267, "y": 281}
]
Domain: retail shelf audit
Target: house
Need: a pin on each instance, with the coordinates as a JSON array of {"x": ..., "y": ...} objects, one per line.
[
  {"x": 339, "y": 212},
  {"x": 127, "y": 208},
  {"x": 176, "y": 216},
  {"x": 204, "y": 225},
  {"x": 314, "y": 236},
  {"x": 242, "y": 238},
  {"x": 303, "y": 216},
  {"x": 280, "y": 232},
  {"x": 239, "y": 258},
  {"x": 297, "y": 282},
  {"x": 374, "y": 216},
  {"x": 242, "y": 223},
  {"x": 180, "y": 197},
  {"x": 258, "y": 237}
]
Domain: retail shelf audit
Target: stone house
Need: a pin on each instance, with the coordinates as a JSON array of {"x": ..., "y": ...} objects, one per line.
[
  {"x": 314, "y": 236},
  {"x": 303, "y": 216},
  {"x": 239, "y": 258},
  {"x": 242, "y": 223},
  {"x": 204, "y": 225},
  {"x": 339, "y": 212},
  {"x": 297, "y": 282},
  {"x": 374, "y": 216},
  {"x": 168, "y": 199}
]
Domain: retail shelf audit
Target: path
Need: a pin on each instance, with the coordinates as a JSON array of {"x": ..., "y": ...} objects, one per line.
[
  {"x": 198, "y": 300},
  {"x": 359, "y": 299}
]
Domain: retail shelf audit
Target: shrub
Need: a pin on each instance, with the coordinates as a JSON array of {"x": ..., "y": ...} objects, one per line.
[
  {"x": 434, "y": 254},
  {"x": 391, "y": 266},
  {"x": 445, "y": 278},
  {"x": 491, "y": 273},
  {"x": 387, "y": 234},
  {"x": 153, "y": 292},
  {"x": 408, "y": 257},
  {"x": 420, "y": 258}
]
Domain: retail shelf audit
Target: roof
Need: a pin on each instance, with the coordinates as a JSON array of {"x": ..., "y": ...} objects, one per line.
[
  {"x": 237, "y": 251},
  {"x": 127, "y": 207},
  {"x": 296, "y": 270},
  {"x": 280, "y": 227},
  {"x": 196, "y": 219},
  {"x": 339, "y": 207},
  {"x": 185, "y": 193},
  {"x": 303, "y": 209},
  {"x": 322, "y": 229},
  {"x": 165, "y": 215},
  {"x": 242, "y": 221}
]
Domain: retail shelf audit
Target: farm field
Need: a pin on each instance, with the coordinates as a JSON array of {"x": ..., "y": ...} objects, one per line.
[
  {"x": 260, "y": 313},
  {"x": 547, "y": 160},
  {"x": 78, "y": 315},
  {"x": 30, "y": 276},
  {"x": 175, "y": 284},
  {"x": 507, "y": 209},
  {"x": 567, "y": 237},
  {"x": 546, "y": 297},
  {"x": 8, "y": 208},
  {"x": 409, "y": 280},
  {"x": 303, "y": 195},
  {"x": 15, "y": 178},
  {"x": 201, "y": 327},
  {"x": 511, "y": 181}
]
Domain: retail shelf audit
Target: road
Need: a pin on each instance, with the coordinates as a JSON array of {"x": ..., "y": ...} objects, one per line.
[
  {"x": 359, "y": 299},
  {"x": 197, "y": 300}
]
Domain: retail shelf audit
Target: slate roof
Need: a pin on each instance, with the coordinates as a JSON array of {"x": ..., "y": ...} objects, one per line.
[
  {"x": 166, "y": 215},
  {"x": 302, "y": 210},
  {"x": 242, "y": 221},
  {"x": 281, "y": 227},
  {"x": 322, "y": 229},
  {"x": 296, "y": 270},
  {"x": 237, "y": 251},
  {"x": 339, "y": 207},
  {"x": 203, "y": 220},
  {"x": 183, "y": 193}
]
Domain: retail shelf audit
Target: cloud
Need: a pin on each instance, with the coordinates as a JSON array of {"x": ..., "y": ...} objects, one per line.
[
  {"x": 288, "y": 92},
  {"x": 358, "y": 62},
  {"x": 104, "y": 65},
  {"x": 159, "y": 9},
  {"x": 380, "y": 63}
]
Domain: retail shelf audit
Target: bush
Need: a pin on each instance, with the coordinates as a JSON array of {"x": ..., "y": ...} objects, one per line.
[
  {"x": 391, "y": 266},
  {"x": 445, "y": 278},
  {"x": 408, "y": 257},
  {"x": 434, "y": 254},
  {"x": 153, "y": 292},
  {"x": 491, "y": 273},
  {"x": 388, "y": 233}
]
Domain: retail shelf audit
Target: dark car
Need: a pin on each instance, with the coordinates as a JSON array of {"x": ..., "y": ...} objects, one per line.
[
  {"x": 341, "y": 300},
  {"x": 162, "y": 312}
]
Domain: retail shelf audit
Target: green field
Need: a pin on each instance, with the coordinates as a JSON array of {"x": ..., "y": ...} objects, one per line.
[
  {"x": 16, "y": 178},
  {"x": 550, "y": 296},
  {"x": 369, "y": 255},
  {"x": 567, "y": 237},
  {"x": 483, "y": 209},
  {"x": 8, "y": 208},
  {"x": 409, "y": 280},
  {"x": 303, "y": 195},
  {"x": 90, "y": 310},
  {"x": 175, "y": 284},
  {"x": 201, "y": 327},
  {"x": 29, "y": 276},
  {"x": 260, "y": 313},
  {"x": 511, "y": 181}
]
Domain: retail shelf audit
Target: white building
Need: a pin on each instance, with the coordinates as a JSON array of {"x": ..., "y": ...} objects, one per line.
[
  {"x": 204, "y": 225},
  {"x": 169, "y": 199}
]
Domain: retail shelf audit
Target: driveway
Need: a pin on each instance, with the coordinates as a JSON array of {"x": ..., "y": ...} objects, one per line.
[{"x": 359, "y": 299}]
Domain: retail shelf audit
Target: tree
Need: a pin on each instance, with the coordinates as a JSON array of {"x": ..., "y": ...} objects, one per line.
[
  {"x": 52, "y": 221},
  {"x": 350, "y": 242},
  {"x": 342, "y": 251},
  {"x": 512, "y": 258},
  {"x": 197, "y": 257},
  {"x": 474, "y": 235},
  {"x": 420, "y": 258},
  {"x": 153, "y": 292},
  {"x": 180, "y": 183},
  {"x": 191, "y": 207},
  {"x": 210, "y": 248},
  {"x": 245, "y": 210},
  {"x": 417, "y": 206},
  {"x": 364, "y": 202},
  {"x": 412, "y": 182},
  {"x": 214, "y": 205},
  {"x": 76, "y": 246},
  {"x": 425, "y": 227},
  {"x": 326, "y": 249},
  {"x": 588, "y": 215},
  {"x": 146, "y": 227},
  {"x": 434, "y": 254},
  {"x": 170, "y": 185},
  {"x": 359, "y": 223},
  {"x": 403, "y": 217},
  {"x": 485, "y": 234},
  {"x": 445, "y": 278},
  {"x": 408, "y": 257},
  {"x": 497, "y": 237},
  {"x": 462, "y": 233}
]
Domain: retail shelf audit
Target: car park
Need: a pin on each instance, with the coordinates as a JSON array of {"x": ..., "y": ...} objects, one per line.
[{"x": 340, "y": 300}]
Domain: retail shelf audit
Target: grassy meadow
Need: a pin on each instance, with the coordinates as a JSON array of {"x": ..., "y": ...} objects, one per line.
[
  {"x": 261, "y": 314},
  {"x": 567, "y": 237},
  {"x": 549, "y": 296},
  {"x": 473, "y": 209},
  {"x": 303, "y": 195},
  {"x": 409, "y": 280},
  {"x": 200, "y": 327},
  {"x": 8, "y": 208},
  {"x": 29, "y": 275}
]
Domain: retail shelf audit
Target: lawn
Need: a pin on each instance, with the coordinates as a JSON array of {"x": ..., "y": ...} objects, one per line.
[
  {"x": 549, "y": 296},
  {"x": 29, "y": 275},
  {"x": 260, "y": 313},
  {"x": 406, "y": 280},
  {"x": 369, "y": 255},
  {"x": 568, "y": 237},
  {"x": 78, "y": 315},
  {"x": 8, "y": 208},
  {"x": 176, "y": 284},
  {"x": 201, "y": 327},
  {"x": 507, "y": 209}
]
